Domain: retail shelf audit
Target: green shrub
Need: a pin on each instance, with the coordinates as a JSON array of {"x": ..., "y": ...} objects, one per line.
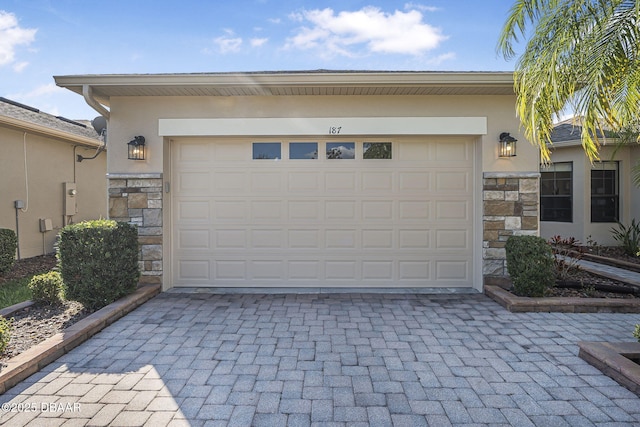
[
  {"x": 5, "y": 333},
  {"x": 98, "y": 261},
  {"x": 567, "y": 253},
  {"x": 636, "y": 333},
  {"x": 8, "y": 246},
  {"x": 47, "y": 288},
  {"x": 628, "y": 237},
  {"x": 530, "y": 265}
]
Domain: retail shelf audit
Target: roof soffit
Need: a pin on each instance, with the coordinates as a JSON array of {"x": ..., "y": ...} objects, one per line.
[{"x": 292, "y": 84}]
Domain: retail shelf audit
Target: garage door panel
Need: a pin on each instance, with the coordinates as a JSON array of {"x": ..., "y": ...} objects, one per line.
[
  {"x": 414, "y": 270},
  {"x": 414, "y": 239},
  {"x": 341, "y": 239},
  {"x": 267, "y": 239},
  {"x": 231, "y": 239},
  {"x": 304, "y": 210},
  {"x": 414, "y": 210},
  {"x": 377, "y": 181},
  {"x": 230, "y": 211},
  {"x": 266, "y": 210},
  {"x": 405, "y": 221},
  {"x": 453, "y": 181},
  {"x": 267, "y": 270},
  {"x": 378, "y": 271},
  {"x": 453, "y": 210},
  {"x": 193, "y": 211},
  {"x": 230, "y": 270},
  {"x": 452, "y": 239},
  {"x": 304, "y": 181},
  {"x": 340, "y": 210},
  {"x": 229, "y": 183},
  {"x": 340, "y": 181},
  {"x": 453, "y": 151},
  {"x": 266, "y": 183},
  {"x": 377, "y": 239},
  {"x": 230, "y": 151},
  {"x": 304, "y": 239},
  {"x": 377, "y": 210},
  {"x": 341, "y": 270},
  {"x": 452, "y": 270},
  {"x": 416, "y": 181}
]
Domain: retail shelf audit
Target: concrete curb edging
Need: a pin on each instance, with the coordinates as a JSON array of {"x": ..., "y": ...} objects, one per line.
[
  {"x": 516, "y": 304},
  {"x": 40, "y": 355},
  {"x": 613, "y": 360}
]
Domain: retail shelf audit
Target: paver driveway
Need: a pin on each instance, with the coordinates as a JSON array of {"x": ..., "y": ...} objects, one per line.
[{"x": 331, "y": 359}]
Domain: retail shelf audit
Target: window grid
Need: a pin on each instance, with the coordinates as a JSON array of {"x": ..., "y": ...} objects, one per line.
[
  {"x": 556, "y": 192},
  {"x": 605, "y": 203}
]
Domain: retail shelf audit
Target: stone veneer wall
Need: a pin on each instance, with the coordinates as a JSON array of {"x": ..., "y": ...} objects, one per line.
[
  {"x": 510, "y": 204},
  {"x": 137, "y": 199}
]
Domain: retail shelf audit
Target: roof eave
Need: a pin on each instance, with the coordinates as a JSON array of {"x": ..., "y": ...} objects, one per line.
[{"x": 45, "y": 131}]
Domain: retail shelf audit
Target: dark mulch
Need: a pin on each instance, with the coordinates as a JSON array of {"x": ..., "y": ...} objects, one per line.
[
  {"x": 614, "y": 252},
  {"x": 586, "y": 285},
  {"x": 34, "y": 324},
  {"x": 29, "y": 266}
]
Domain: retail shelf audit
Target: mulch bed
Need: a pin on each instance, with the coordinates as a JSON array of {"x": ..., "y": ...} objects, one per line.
[
  {"x": 614, "y": 252},
  {"x": 36, "y": 323}
]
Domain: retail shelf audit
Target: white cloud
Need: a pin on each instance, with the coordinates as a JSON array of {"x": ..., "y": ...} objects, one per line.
[
  {"x": 19, "y": 66},
  {"x": 38, "y": 92},
  {"x": 258, "y": 42},
  {"x": 365, "y": 31},
  {"x": 411, "y": 6},
  {"x": 442, "y": 58},
  {"x": 11, "y": 36},
  {"x": 228, "y": 43}
]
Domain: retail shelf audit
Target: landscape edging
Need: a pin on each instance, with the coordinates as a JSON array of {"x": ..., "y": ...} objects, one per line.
[
  {"x": 516, "y": 304},
  {"x": 40, "y": 355}
]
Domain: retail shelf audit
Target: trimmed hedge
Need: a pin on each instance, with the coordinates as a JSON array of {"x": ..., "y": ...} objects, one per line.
[
  {"x": 530, "y": 265},
  {"x": 5, "y": 333},
  {"x": 8, "y": 246},
  {"x": 98, "y": 261},
  {"x": 47, "y": 288}
]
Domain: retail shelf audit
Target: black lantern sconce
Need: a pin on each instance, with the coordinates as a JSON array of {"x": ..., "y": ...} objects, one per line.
[
  {"x": 507, "y": 145},
  {"x": 137, "y": 148}
]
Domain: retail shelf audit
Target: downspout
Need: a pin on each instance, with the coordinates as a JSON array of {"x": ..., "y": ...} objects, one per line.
[{"x": 87, "y": 92}]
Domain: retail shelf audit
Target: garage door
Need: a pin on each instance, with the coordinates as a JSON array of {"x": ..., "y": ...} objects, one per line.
[{"x": 322, "y": 213}]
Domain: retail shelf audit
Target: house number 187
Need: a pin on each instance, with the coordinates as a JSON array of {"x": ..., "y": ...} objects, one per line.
[{"x": 334, "y": 130}]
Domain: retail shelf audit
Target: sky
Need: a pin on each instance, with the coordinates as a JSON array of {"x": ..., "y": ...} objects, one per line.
[{"x": 40, "y": 39}]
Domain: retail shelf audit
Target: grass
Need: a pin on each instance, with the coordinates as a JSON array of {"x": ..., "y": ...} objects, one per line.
[{"x": 15, "y": 291}]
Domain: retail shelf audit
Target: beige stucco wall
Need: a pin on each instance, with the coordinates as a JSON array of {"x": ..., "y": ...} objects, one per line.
[
  {"x": 582, "y": 228},
  {"x": 131, "y": 116},
  {"x": 50, "y": 163}
]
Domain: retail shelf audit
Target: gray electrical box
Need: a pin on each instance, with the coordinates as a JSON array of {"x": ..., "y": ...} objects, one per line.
[
  {"x": 19, "y": 204},
  {"x": 45, "y": 225}
]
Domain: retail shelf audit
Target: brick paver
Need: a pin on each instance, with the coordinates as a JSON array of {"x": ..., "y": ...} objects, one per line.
[{"x": 331, "y": 359}]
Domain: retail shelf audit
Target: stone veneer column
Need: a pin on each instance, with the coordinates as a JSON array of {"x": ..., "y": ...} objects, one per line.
[
  {"x": 510, "y": 207},
  {"x": 137, "y": 199}
]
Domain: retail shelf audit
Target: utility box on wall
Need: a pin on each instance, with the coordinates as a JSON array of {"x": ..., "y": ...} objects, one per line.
[{"x": 70, "y": 193}]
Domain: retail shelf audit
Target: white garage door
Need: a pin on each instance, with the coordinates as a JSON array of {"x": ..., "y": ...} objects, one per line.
[{"x": 322, "y": 213}]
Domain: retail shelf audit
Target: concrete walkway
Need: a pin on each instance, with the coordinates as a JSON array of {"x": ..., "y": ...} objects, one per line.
[{"x": 331, "y": 359}]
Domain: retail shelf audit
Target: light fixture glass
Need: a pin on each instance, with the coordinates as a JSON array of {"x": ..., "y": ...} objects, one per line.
[
  {"x": 137, "y": 148},
  {"x": 507, "y": 145}
]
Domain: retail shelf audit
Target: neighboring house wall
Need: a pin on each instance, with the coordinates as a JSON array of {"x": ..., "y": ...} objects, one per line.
[
  {"x": 39, "y": 181},
  {"x": 581, "y": 227}
]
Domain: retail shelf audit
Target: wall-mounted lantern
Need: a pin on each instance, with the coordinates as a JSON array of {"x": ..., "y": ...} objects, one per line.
[
  {"x": 507, "y": 145},
  {"x": 137, "y": 148}
]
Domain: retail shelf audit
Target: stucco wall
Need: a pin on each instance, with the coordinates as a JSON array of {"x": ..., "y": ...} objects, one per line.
[
  {"x": 582, "y": 228},
  {"x": 50, "y": 163},
  {"x": 131, "y": 116}
]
